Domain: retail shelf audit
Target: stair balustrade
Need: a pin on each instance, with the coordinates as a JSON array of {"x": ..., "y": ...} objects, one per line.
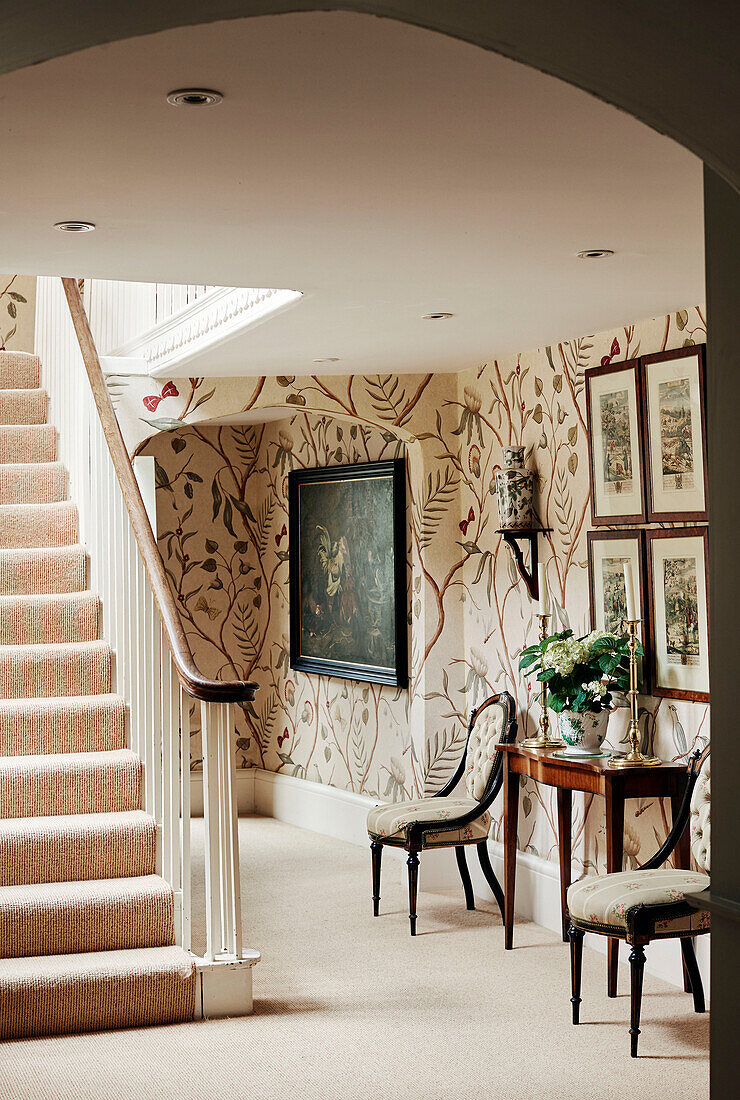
[{"x": 154, "y": 667}]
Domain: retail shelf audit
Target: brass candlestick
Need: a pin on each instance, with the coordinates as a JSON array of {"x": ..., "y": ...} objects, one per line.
[
  {"x": 634, "y": 758},
  {"x": 544, "y": 741}
]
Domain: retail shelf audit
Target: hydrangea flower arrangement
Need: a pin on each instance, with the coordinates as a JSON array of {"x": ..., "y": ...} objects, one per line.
[{"x": 580, "y": 673}]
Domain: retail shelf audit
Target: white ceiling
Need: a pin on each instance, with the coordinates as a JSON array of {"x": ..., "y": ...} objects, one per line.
[{"x": 383, "y": 170}]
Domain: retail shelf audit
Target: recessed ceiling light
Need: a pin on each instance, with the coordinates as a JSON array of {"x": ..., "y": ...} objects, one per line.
[
  {"x": 437, "y": 316},
  {"x": 595, "y": 253},
  {"x": 328, "y": 359},
  {"x": 75, "y": 227},
  {"x": 194, "y": 97}
]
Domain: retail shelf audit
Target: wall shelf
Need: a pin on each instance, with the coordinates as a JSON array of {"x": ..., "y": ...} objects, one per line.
[{"x": 513, "y": 537}]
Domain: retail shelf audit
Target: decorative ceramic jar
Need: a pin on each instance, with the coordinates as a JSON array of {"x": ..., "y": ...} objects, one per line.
[
  {"x": 583, "y": 733},
  {"x": 514, "y": 487}
]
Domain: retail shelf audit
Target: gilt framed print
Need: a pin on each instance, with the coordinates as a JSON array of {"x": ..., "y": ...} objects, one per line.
[
  {"x": 607, "y": 553},
  {"x": 679, "y": 632},
  {"x": 615, "y": 444},
  {"x": 347, "y": 554},
  {"x": 676, "y": 455}
]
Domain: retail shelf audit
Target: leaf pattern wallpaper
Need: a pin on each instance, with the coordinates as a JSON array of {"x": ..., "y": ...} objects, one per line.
[
  {"x": 222, "y": 527},
  {"x": 17, "y": 312}
]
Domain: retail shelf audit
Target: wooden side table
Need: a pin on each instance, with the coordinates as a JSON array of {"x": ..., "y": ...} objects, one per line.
[{"x": 593, "y": 776}]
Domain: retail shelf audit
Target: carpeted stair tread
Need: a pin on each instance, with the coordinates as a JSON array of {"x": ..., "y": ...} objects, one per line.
[
  {"x": 52, "y": 569},
  {"x": 19, "y": 370},
  {"x": 73, "y": 724},
  {"x": 23, "y": 406},
  {"x": 28, "y": 443},
  {"x": 33, "y": 526},
  {"x": 79, "y": 846},
  {"x": 70, "y": 783},
  {"x": 32, "y": 482},
  {"x": 60, "y": 994},
  {"x": 63, "y": 918},
  {"x": 66, "y": 617},
  {"x": 69, "y": 668}
]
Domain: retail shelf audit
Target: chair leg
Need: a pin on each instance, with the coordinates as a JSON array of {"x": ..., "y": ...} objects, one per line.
[
  {"x": 576, "y": 966},
  {"x": 462, "y": 866},
  {"x": 637, "y": 967},
  {"x": 692, "y": 969},
  {"x": 490, "y": 877},
  {"x": 413, "y": 865},
  {"x": 376, "y": 849}
]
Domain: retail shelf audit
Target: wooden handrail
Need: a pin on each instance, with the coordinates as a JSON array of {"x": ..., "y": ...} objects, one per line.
[{"x": 200, "y": 687}]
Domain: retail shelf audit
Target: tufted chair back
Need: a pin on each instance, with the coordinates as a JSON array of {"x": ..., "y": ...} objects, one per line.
[
  {"x": 491, "y": 723},
  {"x": 700, "y": 813}
]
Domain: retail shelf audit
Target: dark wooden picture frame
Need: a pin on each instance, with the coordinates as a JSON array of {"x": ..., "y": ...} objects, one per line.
[
  {"x": 690, "y": 516},
  {"x": 654, "y": 536},
  {"x": 603, "y": 518},
  {"x": 395, "y": 672},
  {"x": 641, "y": 588}
]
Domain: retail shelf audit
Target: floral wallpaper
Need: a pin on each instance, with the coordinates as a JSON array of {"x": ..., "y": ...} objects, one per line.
[
  {"x": 17, "y": 312},
  {"x": 223, "y": 534}
]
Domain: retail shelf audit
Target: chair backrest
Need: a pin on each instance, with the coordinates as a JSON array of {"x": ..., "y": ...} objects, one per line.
[
  {"x": 700, "y": 814},
  {"x": 492, "y": 722}
]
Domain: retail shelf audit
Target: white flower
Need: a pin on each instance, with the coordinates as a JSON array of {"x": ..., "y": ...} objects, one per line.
[
  {"x": 479, "y": 662},
  {"x": 631, "y": 840}
]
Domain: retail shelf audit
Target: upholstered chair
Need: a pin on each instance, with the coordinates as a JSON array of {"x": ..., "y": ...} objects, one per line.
[
  {"x": 650, "y": 903},
  {"x": 448, "y": 820}
]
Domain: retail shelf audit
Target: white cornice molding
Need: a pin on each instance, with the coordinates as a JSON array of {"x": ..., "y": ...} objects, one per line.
[{"x": 211, "y": 319}]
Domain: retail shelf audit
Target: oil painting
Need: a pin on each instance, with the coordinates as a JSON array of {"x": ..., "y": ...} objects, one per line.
[{"x": 348, "y": 571}]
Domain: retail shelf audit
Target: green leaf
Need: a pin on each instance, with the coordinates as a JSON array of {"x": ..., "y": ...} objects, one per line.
[
  {"x": 217, "y": 498},
  {"x": 243, "y": 507},
  {"x": 295, "y": 399},
  {"x": 229, "y": 518}
]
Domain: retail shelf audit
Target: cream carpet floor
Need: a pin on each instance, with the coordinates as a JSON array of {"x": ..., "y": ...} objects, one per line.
[{"x": 348, "y": 1006}]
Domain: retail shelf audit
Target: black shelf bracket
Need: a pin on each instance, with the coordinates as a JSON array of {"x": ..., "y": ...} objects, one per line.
[{"x": 513, "y": 537}]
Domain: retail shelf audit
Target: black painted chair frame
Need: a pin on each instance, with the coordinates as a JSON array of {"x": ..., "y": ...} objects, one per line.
[
  {"x": 413, "y": 840},
  {"x": 641, "y": 924}
]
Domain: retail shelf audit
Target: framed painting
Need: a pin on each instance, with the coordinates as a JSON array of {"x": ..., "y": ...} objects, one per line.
[
  {"x": 607, "y": 553},
  {"x": 347, "y": 555},
  {"x": 676, "y": 454},
  {"x": 679, "y": 631},
  {"x": 615, "y": 444}
]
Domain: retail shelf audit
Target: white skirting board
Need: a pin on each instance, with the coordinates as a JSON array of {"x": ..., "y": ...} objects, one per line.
[{"x": 342, "y": 814}]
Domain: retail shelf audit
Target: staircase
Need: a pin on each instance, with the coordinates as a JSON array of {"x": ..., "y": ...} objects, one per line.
[{"x": 87, "y": 927}]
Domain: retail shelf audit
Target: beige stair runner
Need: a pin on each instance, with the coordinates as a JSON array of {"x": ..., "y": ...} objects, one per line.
[{"x": 86, "y": 924}]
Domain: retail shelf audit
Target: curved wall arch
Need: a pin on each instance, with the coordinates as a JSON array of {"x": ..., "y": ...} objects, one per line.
[{"x": 672, "y": 66}]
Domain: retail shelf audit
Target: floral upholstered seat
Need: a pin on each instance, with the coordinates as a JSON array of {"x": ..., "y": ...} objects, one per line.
[
  {"x": 652, "y": 902},
  {"x": 605, "y": 899},
  {"x": 389, "y": 822},
  {"x": 448, "y": 820}
]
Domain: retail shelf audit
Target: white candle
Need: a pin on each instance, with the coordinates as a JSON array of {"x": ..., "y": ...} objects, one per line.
[
  {"x": 629, "y": 592},
  {"x": 544, "y": 594}
]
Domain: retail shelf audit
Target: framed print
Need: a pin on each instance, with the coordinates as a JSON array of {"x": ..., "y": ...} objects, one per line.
[
  {"x": 676, "y": 454},
  {"x": 615, "y": 444},
  {"x": 347, "y": 558},
  {"x": 607, "y": 553},
  {"x": 679, "y": 631}
]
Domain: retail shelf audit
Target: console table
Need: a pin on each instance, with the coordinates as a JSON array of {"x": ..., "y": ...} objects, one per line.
[{"x": 593, "y": 776}]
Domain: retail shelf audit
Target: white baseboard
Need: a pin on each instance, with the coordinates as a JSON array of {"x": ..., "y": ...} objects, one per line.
[{"x": 342, "y": 814}]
